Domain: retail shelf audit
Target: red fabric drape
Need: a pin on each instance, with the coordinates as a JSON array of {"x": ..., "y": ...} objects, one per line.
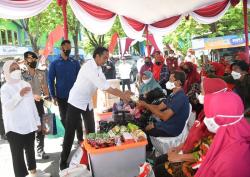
[
  {"x": 127, "y": 44},
  {"x": 212, "y": 10},
  {"x": 166, "y": 22},
  {"x": 53, "y": 37},
  {"x": 138, "y": 26},
  {"x": 113, "y": 42},
  {"x": 152, "y": 41},
  {"x": 96, "y": 11}
]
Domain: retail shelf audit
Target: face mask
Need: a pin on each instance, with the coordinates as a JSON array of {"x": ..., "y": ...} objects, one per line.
[
  {"x": 146, "y": 81},
  {"x": 201, "y": 98},
  {"x": 147, "y": 63},
  {"x": 170, "y": 85},
  {"x": 235, "y": 75},
  {"x": 16, "y": 74},
  {"x": 186, "y": 71},
  {"x": 67, "y": 52},
  {"x": 158, "y": 63},
  {"x": 212, "y": 126},
  {"x": 32, "y": 64}
]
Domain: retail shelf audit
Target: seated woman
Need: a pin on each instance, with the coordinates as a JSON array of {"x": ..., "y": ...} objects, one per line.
[
  {"x": 174, "y": 162},
  {"x": 148, "y": 83},
  {"x": 172, "y": 112},
  {"x": 229, "y": 153},
  {"x": 192, "y": 75}
]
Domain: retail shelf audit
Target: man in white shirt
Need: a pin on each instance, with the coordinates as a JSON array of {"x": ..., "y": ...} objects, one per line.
[
  {"x": 124, "y": 70},
  {"x": 89, "y": 79}
]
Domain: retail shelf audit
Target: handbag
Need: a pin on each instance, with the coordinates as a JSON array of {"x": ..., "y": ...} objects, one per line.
[{"x": 49, "y": 124}]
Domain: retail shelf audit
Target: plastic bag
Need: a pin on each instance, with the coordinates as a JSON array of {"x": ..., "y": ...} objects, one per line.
[
  {"x": 146, "y": 170},
  {"x": 80, "y": 157},
  {"x": 76, "y": 171}
]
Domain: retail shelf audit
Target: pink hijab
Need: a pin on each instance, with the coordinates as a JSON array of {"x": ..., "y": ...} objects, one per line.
[{"x": 229, "y": 154}]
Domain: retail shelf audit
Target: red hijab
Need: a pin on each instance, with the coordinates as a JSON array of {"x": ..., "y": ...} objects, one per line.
[
  {"x": 199, "y": 129},
  {"x": 219, "y": 68},
  {"x": 229, "y": 153},
  {"x": 157, "y": 69},
  {"x": 192, "y": 77}
]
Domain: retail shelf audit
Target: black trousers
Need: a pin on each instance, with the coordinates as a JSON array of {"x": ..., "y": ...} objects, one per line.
[
  {"x": 159, "y": 166},
  {"x": 39, "y": 135},
  {"x": 2, "y": 131},
  {"x": 73, "y": 117},
  {"x": 63, "y": 106},
  {"x": 126, "y": 82},
  {"x": 18, "y": 143}
]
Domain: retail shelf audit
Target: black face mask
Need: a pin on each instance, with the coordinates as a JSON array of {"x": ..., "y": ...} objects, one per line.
[
  {"x": 158, "y": 63},
  {"x": 32, "y": 64},
  {"x": 67, "y": 52},
  {"x": 186, "y": 71},
  {"x": 147, "y": 63}
]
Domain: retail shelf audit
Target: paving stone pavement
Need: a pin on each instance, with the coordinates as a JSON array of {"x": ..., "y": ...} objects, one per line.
[{"x": 52, "y": 147}]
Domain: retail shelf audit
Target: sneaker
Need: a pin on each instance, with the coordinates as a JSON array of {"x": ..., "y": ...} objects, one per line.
[
  {"x": 39, "y": 173},
  {"x": 42, "y": 155}
]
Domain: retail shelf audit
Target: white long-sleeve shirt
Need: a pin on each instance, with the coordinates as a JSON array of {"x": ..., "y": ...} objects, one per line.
[
  {"x": 124, "y": 70},
  {"x": 19, "y": 113},
  {"x": 89, "y": 79}
]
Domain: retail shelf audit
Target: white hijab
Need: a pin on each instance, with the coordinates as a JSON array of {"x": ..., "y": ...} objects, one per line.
[{"x": 6, "y": 72}]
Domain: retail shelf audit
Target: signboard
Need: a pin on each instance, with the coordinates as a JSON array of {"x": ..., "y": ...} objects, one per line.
[
  {"x": 12, "y": 50},
  {"x": 219, "y": 42}
]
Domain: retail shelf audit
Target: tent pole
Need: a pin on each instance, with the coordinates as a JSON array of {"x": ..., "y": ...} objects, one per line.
[
  {"x": 147, "y": 44},
  {"x": 246, "y": 29},
  {"x": 65, "y": 20}
]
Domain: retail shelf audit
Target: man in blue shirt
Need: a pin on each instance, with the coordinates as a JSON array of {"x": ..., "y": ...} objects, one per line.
[
  {"x": 172, "y": 112},
  {"x": 62, "y": 76}
]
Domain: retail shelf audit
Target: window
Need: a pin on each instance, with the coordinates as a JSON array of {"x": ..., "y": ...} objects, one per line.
[
  {"x": 9, "y": 34},
  {"x": 15, "y": 38},
  {"x": 3, "y": 36}
]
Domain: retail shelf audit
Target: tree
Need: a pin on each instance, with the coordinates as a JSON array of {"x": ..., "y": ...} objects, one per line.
[
  {"x": 231, "y": 23},
  {"x": 38, "y": 26},
  {"x": 94, "y": 41}
]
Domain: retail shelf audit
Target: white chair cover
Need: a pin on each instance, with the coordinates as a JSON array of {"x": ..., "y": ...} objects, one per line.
[{"x": 163, "y": 144}]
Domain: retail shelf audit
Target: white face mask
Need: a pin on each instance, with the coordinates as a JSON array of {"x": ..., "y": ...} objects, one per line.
[
  {"x": 16, "y": 74},
  {"x": 201, "y": 98},
  {"x": 170, "y": 85},
  {"x": 235, "y": 75},
  {"x": 146, "y": 81},
  {"x": 212, "y": 126}
]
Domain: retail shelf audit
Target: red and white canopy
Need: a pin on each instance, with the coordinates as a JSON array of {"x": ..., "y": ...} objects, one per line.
[
  {"x": 20, "y": 9},
  {"x": 159, "y": 16}
]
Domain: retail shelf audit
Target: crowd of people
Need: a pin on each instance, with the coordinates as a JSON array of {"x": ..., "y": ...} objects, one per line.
[{"x": 217, "y": 143}]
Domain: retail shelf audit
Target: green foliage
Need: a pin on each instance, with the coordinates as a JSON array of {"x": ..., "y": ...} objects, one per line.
[{"x": 231, "y": 23}]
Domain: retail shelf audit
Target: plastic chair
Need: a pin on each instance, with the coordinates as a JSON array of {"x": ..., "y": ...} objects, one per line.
[{"x": 163, "y": 144}]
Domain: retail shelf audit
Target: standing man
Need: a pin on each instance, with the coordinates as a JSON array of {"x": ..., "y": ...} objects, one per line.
[
  {"x": 37, "y": 80},
  {"x": 89, "y": 79},
  {"x": 109, "y": 70},
  {"x": 62, "y": 76},
  {"x": 124, "y": 70}
]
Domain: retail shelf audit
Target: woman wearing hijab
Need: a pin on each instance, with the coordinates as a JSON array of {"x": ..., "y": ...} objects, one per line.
[
  {"x": 229, "y": 154},
  {"x": 174, "y": 162},
  {"x": 149, "y": 83},
  {"x": 160, "y": 70},
  {"x": 21, "y": 120},
  {"x": 192, "y": 75},
  {"x": 148, "y": 66}
]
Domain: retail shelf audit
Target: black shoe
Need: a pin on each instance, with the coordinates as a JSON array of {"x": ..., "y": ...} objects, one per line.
[
  {"x": 43, "y": 156},
  {"x": 62, "y": 165}
]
